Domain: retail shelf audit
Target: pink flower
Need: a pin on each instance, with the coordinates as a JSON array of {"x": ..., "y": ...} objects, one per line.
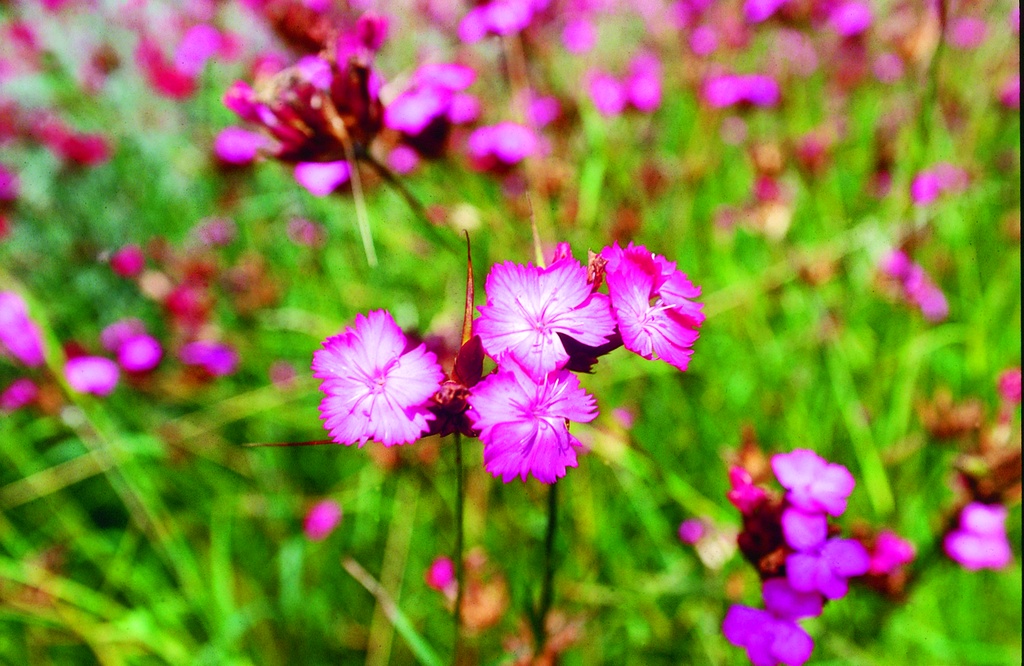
[
  {"x": 128, "y": 261},
  {"x": 917, "y": 287},
  {"x": 322, "y": 178},
  {"x": 441, "y": 574},
  {"x": 744, "y": 495},
  {"x": 980, "y": 541},
  {"x": 703, "y": 40},
  {"x": 579, "y": 36},
  {"x": 523, "y": 422},
  {"x": 967, "y": 32},
  {"x": 925, "y": 188},
  {"x": 237, "y": 146},
  {"x": 653, "y": 304},
  {"x": 92, "y": 374},
  {"x": 9, "y": 184},
  {"x": 691, "y": 531},
  {"x": 732, "y": 89},
  {"x": 139, "y": 353},
  {"x": 608, "y": 95},
  {"x": 891, "y": 551},
  {"x": 20, "y": 393},
  {"x": 756, "y": 11},
  {"x": 827, "y": 570},
  {"x": 216, "y": 358},
  {"x": 814, "y": 484},
  {"x": 1009, "y": 385},
  {"x": 768, "y": 640},
  {"x": 528, "y": 308},
  {"x": 19, "y": 335},
  {"x": 851, "y": 18},
  {"x": 501, "y": 145},
  {"x": 374, "y": 386},
  {"x": 643, "y": 85},
  {"x": 403, "y": 160},
  {"x": 321, "y": 519}
]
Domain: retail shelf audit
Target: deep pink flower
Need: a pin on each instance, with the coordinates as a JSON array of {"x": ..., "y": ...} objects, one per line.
[
  {"x": 767, "y": 639},
  {"x": 321, "y": 519},
  {"x": 703, "y": 40},
  {"x": 200, "y": 43},
  {"x": 20, "y": 393},
  {"x": 322, "y": 178},
  {"x": 441, "y": 574},
  {"x": 19, "y": 335},
  {"x": 643, "y": 85},
  {"x": 787, "y": 603},
  {"x": 403, "y": 159},
  {"x": 925, "y": 188},
  {"x": 917, "y": 287},
  {"x": 579, "y": 36},
  {"x": 523, "y": 422},
  {"x": 691, "y": 531},
  {"x": 116, "y": 334},
  {"x": 814, "y": 484},
  {"x": 128, "y": 261},
  {"x": 804, "y": 530},
  {"x": 216, "y": 358},
  {"x": 501, "y": 145},
  {"x": 653, "y": 303},
  {"x": 744, "y": 495},
  {"x": 851, "y": 18},
  {"x": 139, "y": 353},
  {"x": 890, "y": 552},
  {"x": 827, "y": 570},
  {"x": 544, "y": 110},
  {"x": 731, "y": 89},
  {"x": 528, "y": 307},
  {"x": 608, "y": 95},
  {"x": 92, "y": 374},
  {"x": 1009, "y": 385},
  {"x": 162, "y": 76},
  {"x": 888, "y": 68},
  {"x": 980, "y": 541},
  {"x": 374, "y": 386}
]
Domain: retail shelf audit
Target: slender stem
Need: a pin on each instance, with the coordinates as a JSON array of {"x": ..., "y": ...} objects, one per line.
[
  {"x": 460, "y": 500},
  {"x": 547, "y": 585}
]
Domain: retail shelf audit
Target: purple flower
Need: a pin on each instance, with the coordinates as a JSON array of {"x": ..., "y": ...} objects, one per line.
[
  {"x": 653, "y": 304},
  {"x": 19, "y": 335},
  {"x": 767, "y": 639},
  {"x": 804, "y": 530},
  {"x": 523, "y": 422},
  {"x": 703, "y": 40},
  {"x": 891, "y": 551},
  {"x": 786, "y": 603},
  {"x": 828, "y": 569},
  {"x": 413, "y": 110},
  {"x": 321, "y": 520},
  {"x": 200, "y": 43},
  {"x": 814, "y": 484},
  {"x": 216, "y": 358},
  {"x": 92, "y": 374},
  {"x": 403, "y": 159},
  {"x": 744, "y": 495},
  {"x": 322, "y": 178},
  {"x": 528, "y": 308},
  {"x": 967, "y": 32},
  {"x": 980, "y": 542},
  {"x": 917, "y": 286},
  {"x": 20, "y": 393},
  {"x": 139, "y": 353},
  {"x": 375, "y": 386},
  {"x": 691, "y": 530},
  {"x": 115, "y": 335},
  {"x": 237, "y": 146},
  {"x": 608, "y": 95}
]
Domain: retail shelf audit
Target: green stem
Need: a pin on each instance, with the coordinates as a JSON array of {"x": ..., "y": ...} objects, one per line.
[
  {"x": 460, "y": 500},
  {"x": 547, "y": 587}
]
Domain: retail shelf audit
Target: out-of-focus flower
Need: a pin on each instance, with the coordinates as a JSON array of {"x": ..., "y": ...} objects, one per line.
[
  {"x": 128, "y": 261},
  {"x": 814, "y": 484},
  {"x": 980, "y": 541},
  {"x": 850, "y": 18},
  {"x": 237, "y": 147},
  {"x": 890, "y": 552},
  {"x": 608, "y": 95},
  {"x": 441, "y": 574},
  {"x": 579, "y": 36},
  {"x": 306, "y": 232},
  {"x": 654, "y": 304},
  {"x": 374, "y": 386},
  {"x": 967, "y": 32},
  {"x": 502, "y": 146},
  {"x": 544, "y": 111},
  {"x": 523, "y": 422},
  {"x": 1009, "y": 93},
  {"x": 529, "y": 308},
  {"x": 828, "y": 570},
  {"x": 731, "y": 89},
  {"x": 498, "y": 17},
  {"x": 767, "y": 639},
  {"x": 322, "y": 178},
  {"x": 804, "y": 530},
  {"x": 786, "y": 602},
  {"x": 20, "y": 393},
  {"x": 92, "y": 374},
  {"x": 216, "y": 231},
  {"x": 756, "y": 11},
  {"x": 19, "y": 335},
  {"x": 1009, "y": 385},
  {"x": 139, "y": 353},
  {"x": 69, "y": 145},
  {"x": 691, "y": 531},
  {"x": 744, "y": 494},
  {"x": 216, "y": 358},
  {"x": 888, "y": 68},
  {"x": 703, "y": 40},
  {"x": 9, "y": 185},
  {"x": 917, "y": 287},
  {"x": 321, "y": 519},
  {"x": 435, "y": 100},
  {"x": 403, "y": 160},
  {"x": 643, "y": 84}
]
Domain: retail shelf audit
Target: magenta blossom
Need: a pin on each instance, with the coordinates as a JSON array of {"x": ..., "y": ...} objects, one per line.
[
  {"x": 980, "y": 541},
  {"x": 20, "y": 393},
  {"x": 19, "y": 335},
  {"x": 891, "y": 551},
  {"x": 1009, "y": 385},
  {"x": 828, "y": 569},
  {"x": 608, "y": 95},
  {"x": 501, "y": 146},
  {"x": 523, "y": 422},
  {"x": 785, "y": 602},
  {"x": 804, "y": 530},
  {"x": 128, "y": 261},
  {"x": 375, "y": 386},
  {"x": 732, "y": 89},
  {"x": 528, "y": 308},
  {"x": 216, "y": 358},
  {"x": 744, "y": 495},
  {"x": 756, "y": 11},
  {"x": 692, "y": 530},
  {"x": 851, "y": 18},
  {"x": 9, "y": 184},
  {"x": 322, "y": 178},
  {"x": 139, "y": 353},
  {"x": 92, "y": 374},
  {"x": 653, "y": 304},
  {"x": 917, "y": 287},
  {"x": 579, "y": 36},
  {"x": 237, "y": 146},
  {"x": 321, "y": 519},
  {"x": 814, "y": 484},
  {"x": 767, "y": 639},
  {"x": 441, "y": 574}
]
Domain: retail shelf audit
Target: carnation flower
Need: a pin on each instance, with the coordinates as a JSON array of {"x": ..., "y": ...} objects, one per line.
[
  {"x": 653, "y": 304},
  {"x": 92, "y": 374},
  {"x": 441, "y": 574},
  {"x": 890, "y": 552},
  {"x": 216, "y": 358},
  {"x": 528, "y": 308},
  {"x": 375, "y": 386},
  {"x": 814, "y": 484},
  {"x": 523, "y": 421},
  {"x": 19, "y": 335},
  {"x": 767, "y": 639},
  {"x": 980, "y": 541},
  {"x": 828, "y": 569},
  {"x": 321, "y": 520}
]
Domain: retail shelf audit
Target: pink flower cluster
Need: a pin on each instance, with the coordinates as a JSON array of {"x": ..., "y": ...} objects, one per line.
[
  {"x": 541, "y": 326},
  {"x": 916, "y": 286},
  {"x": 801, "y": 558}
]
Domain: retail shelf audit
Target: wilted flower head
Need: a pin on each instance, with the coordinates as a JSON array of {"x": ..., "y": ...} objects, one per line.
[
  {"x": 92, "y": 374},
  {"x": 528, "y": 309},
  {"x": 375, "y": 386},
  {"x": 19, "y": 335},
  {"x": 980, "y": 540},
  {"x": 523, "y": 421},
  {"x": 321, "y": 519}
]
